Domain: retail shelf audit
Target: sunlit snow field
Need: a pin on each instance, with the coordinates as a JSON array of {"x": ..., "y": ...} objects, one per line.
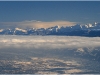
[{"x": 49, "y": 55}]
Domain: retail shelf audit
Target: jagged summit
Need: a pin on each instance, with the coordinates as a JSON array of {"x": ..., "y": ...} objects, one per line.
[
  {"x": 95, "y": 23},
  {"x": 76, "y": 30}
]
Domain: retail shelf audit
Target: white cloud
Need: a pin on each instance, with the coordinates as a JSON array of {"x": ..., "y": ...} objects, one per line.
[
  {"x": 73, "y": 71},
  {"x": 48, "y": 42},
  {"x": 36, "y": 24},
  {"x": 51, "y": 43}
]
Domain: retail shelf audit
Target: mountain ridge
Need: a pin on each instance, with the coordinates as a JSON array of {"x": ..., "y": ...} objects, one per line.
[{"x": 76, "y": 30}]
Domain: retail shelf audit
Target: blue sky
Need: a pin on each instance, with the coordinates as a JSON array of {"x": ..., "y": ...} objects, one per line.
[{"x": 48, "y": 12}]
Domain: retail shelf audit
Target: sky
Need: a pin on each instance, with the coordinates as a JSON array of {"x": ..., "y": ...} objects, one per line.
[{"x": 48, "y": 13}]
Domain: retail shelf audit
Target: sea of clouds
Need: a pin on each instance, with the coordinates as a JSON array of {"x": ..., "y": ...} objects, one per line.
[
  {"x": 48, "y": 42},
  {"x": 23, "y": 47}
]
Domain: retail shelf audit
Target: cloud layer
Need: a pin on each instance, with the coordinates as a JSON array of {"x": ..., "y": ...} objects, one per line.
[
  {"x": 35, "y": 24},
  {"x": 48, "y": 42},
  {"x": 23, "y": 47}
]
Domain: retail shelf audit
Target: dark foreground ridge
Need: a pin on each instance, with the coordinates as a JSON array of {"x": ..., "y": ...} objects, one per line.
[{"x": 90, "y": 30}]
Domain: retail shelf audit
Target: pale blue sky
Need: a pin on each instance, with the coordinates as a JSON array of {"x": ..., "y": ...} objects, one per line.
[{"x": 48, "y": 11}]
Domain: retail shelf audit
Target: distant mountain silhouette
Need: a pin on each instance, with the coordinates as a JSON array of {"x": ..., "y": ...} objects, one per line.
[{"x": 90, "y": 30}]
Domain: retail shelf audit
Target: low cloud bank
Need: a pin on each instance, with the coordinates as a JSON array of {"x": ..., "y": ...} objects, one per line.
[{"x": 48, "y": 42}]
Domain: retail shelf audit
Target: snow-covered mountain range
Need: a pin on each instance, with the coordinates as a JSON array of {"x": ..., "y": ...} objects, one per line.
[{"x": 76, "y": 30}]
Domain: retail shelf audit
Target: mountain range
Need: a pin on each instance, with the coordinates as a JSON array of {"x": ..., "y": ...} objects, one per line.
[{"x": 90, "y": 30}]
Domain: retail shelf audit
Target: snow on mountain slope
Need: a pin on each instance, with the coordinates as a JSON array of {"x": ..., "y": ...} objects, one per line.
[
  {"x": 1, "y": 30},
  {"x": 76, "y": 30},
  {"x": 18, "y": 29}
]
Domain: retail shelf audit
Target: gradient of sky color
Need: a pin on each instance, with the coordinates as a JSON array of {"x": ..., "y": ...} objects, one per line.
[{"x": 48, "y": 11}]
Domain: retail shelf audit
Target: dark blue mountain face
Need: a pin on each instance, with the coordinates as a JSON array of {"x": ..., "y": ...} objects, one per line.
[{"x": 90, "y": 30}]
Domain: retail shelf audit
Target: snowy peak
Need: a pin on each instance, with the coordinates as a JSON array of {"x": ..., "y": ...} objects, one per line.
[
  {"x": 76, "y": 30},
  {"x": 19, "y": 29},
  {"x": 1, "y": 30},
  {"x": 88, "y": 26},
  {"x": 57, "y": 27},
  {"x": 95, "y": 23}
]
